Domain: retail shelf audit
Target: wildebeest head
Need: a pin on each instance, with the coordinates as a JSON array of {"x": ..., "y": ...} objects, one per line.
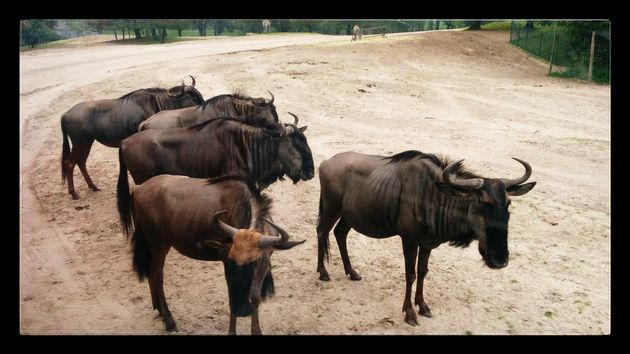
[
  {"x": 186, "y": 96},
  {"x": 294, "y": 152},
  {"x": 264, "y": 111},
  {"x": 488, "y": 213},
  {"x": 248, "y": 245},
  {"x": 249, "y": 262}
]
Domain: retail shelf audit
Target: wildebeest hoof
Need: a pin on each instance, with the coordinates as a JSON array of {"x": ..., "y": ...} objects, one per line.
[
  {"x": 411, "y": 318},
  {"x": 96, "y": 189},
  {"x": 425, "y": 312},
  {"x": 354, "y": 276},
  {"x": 324, "y": 277},
  {"x": 170, "y": 325},
  {"x": 75, "y": 196}
]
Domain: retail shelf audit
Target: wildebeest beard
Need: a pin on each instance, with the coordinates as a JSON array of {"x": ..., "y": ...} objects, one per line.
[{"x": 239, "y": 279}]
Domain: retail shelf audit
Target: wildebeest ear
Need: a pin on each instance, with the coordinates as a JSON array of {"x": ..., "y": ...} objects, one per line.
[
  {"x": 302, "y": 129},
  {"x": 520, "y": 189},
  {"x": 452, "y": 190}
]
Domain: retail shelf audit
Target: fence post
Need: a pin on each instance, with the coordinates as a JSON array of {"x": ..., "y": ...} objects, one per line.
[
  {"x": 526, "y": 36},
  {"x": 590, "y": 62},
  {"x": 553, "y": 50}
]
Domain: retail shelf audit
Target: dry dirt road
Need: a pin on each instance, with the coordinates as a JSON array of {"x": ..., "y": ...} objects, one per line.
[{"x": 464, "y": 94}]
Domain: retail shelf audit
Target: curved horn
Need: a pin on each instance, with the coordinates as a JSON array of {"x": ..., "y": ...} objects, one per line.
[
  {"x": 295, "y": 118},
  {"x": 270, "y": 241},
  {"x": 272, "y": 98},
  {"x": 193, "y": 79},
  {"x": 472, "y": 183},
  {"x": 183, "y": 88},
  {"x": 512, "y": 182},
  {"x": 225, "y": 227}
]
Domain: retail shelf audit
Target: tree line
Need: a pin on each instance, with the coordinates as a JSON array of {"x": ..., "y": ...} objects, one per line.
[{"x": 34, "y": 32}]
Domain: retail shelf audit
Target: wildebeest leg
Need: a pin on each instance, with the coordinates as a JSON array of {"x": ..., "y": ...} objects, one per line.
[
  {"x": 410, "y": 251},
  {"x": 69, "y": 164},
  {"x": 423, "y": 269},
  {"x": 341, "y": 234},
  {"x": 83, "y": 153},
  {"x": 232, "y": 326},
  {"x": 255, "y": 291},
  {"x": 155, "y": 300},
  {"x": 157, "y": 274},
  {"x": 328, "y": 215}
]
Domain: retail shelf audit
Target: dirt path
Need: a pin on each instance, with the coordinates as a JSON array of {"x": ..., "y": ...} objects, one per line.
[{"x": 468, "y": 95}]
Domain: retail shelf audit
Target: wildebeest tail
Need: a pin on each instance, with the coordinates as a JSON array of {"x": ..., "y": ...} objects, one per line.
[
  {"x": 65, "y": 150},
  {"x": 122, "y": 195},
  {"x": 141, "y": 253},
  {"x": 324, "y": 242}
]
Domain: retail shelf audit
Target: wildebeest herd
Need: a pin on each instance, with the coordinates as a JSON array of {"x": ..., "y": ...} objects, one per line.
[{"x": 200, "y": 168}]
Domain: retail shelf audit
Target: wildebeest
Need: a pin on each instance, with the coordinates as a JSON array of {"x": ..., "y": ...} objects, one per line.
[
  {"x": 111, "y": 120},
  {"x": 253, "y": 111},
  {"x": 211, "y": 149},
  {"x": 356, "y": 32},
  {"x": 184, "y": 213},
  {"x": 425, "y": 199}
]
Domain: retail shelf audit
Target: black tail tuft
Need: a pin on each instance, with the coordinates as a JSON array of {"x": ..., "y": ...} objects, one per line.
[
  {"x": 65, "y": 150},
  {"x": 122, "y": 195},
  {"x": 141, "y": 254}
]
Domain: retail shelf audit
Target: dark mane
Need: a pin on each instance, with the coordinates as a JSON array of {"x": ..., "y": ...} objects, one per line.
[
  {"x": 439, "y": 160},
  {"x": 460, "y": 170},
  {"x": 198, "y": 126},
  {"x": 410, "y": 154},
  {"x": 214, "y": 100},
  {"x": 142, "y": 93},
  {"x": 263, "y": 201},
  {"x": 235, "y": 98}
]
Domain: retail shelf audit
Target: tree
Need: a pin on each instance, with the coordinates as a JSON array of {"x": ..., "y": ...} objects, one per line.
[
  {"x": 201, "y": 25},
  {"x": 34, "y": 32},
  {"x": 473, "y": 25}
]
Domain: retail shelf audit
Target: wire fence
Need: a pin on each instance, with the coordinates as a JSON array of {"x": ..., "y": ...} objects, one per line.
[{"x": 566, "y": 48}]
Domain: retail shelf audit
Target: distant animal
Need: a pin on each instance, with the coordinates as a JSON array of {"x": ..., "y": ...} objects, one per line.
[
  {"x": 185, "y": 213},
  {"x": 211, "y": 149},
  {"x": 253, "y": 111},
  {"x": 356, "y": 32},
  {"x": 111, "y": 120},
  {"x": 425, "y": 199},
  {"x": 266, "y": 25}
]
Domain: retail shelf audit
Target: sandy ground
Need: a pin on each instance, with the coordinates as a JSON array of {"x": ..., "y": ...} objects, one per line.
[{"x": 464, "y": 94}]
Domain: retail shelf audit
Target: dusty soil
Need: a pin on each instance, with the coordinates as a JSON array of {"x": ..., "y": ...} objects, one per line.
[{"x": 464, "y": 94}]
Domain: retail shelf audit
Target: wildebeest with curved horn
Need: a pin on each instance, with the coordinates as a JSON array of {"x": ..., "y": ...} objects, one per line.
[
  {"x": 111, "y": 120},
  {"x": 185, "y": 213},
  {"x": 211, "y": 149},
  {"x": 425, "y": 199},
  {"x": 253, "y": 111}
]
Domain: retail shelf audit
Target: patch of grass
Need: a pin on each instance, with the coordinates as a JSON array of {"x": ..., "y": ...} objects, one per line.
[
  {"x": 499, "y": 25},
  {"x": 53, "y": 44},
  {"x": 514, "y": 281},
  {"x": 599, "y": 76},
  {"x": 468, "y": 333},
  {"x": 149, "y": 40},
  {"x": 548, "y": 314}
]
